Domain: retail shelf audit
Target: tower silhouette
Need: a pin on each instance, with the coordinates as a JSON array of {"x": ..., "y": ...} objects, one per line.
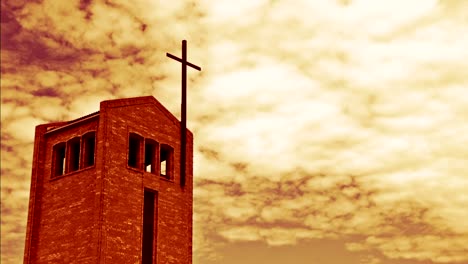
[{"x": 106, "y": 188}]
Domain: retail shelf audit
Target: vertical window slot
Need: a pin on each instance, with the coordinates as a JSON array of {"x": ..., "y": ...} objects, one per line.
[
  {"x": 73, "y": 155},
  {"x": 149, "y": 227},
  {"x": 151, "y": 147},
  {"x": 89, "y": 148},
  {"x": 134, "y": 150},
  {"x": 165, "y": 161},
  {"x": 59, "y": 159}
]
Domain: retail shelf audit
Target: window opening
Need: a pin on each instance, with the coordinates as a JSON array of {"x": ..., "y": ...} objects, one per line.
[
  {"x": 134, "y": 143},
  {"x": 165, "y": 161},
  {"x": 149, "y": 232},
  {"x": 59, "y": 159},
  {"x": 89, "y": 146},
  {"x": 73, "y": 154},
  {"x": 150, "y": 155}
]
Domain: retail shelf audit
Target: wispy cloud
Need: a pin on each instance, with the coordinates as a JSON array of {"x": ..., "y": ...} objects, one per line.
[{"x": 342, "y": 120}]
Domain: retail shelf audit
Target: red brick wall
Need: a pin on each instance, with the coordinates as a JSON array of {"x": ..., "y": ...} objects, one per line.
[
  {"x": 123, "y": 206},
  {"x": 63, "y": 205}
]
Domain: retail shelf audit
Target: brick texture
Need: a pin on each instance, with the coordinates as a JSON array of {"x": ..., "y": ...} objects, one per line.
[{"x": 95, "y": 214}]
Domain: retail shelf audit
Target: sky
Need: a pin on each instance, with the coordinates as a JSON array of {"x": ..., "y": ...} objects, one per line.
[{"x": 326, "y": 132}]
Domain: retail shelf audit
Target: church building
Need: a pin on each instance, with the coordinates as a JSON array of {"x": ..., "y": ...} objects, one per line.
[{"x": 108, "y": 188}]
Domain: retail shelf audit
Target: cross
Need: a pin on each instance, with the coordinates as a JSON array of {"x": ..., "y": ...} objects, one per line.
[{"x": 183, "y": 126}]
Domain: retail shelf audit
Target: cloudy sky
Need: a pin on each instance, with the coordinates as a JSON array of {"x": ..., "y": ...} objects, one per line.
[{"x": 326, "y": 131}]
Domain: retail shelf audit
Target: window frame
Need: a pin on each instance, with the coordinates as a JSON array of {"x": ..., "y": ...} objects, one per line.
[
  {"x": 66, "y": 148},
  {"x": 73, "y": 158},
  {"x": 154, "y": 157},
  {"x": 62, "y": 147},
  {"x": 142, "y": 159},
  {"x": 169, "y": 161},
  {"x": 137, "y": 152},
  {"x": 85, "y": 149}
]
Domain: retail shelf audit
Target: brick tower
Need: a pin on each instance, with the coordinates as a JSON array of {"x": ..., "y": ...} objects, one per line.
[{"x": 106, "y": 188}]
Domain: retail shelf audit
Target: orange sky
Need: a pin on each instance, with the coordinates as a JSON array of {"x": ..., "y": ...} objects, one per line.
[{"x": 326, "y": 132}]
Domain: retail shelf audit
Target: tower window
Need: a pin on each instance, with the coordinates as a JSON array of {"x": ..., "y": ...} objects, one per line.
[
  {"x": 73, "y": 154},
  {"x": 59, "y": 159},
  {"x": 165, "y": 161},
  {"x": 151, "y": 147},
  {"x": 134, "y": 149},
  {"x": 89, "y": 145},
  {"x": 77, "y": 153},
  {"x": 148, "y": 246}
]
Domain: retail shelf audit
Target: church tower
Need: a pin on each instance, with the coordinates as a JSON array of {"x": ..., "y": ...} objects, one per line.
[{"x": 108, "y": 188}]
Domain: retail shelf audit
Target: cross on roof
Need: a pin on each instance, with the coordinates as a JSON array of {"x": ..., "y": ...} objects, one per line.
[{"x": 183, "y": 127}]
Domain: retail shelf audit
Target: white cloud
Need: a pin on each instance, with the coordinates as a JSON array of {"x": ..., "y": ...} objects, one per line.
[{"x": 292, "y": 101}]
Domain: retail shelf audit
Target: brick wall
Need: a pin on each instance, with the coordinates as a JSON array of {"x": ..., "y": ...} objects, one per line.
[{"x": 63, "y": 206}]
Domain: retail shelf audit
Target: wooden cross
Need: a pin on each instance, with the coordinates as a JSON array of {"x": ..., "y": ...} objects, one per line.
[{"x": 183, "y": 126}]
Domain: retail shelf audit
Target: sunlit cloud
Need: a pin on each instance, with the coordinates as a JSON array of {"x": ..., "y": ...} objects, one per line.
[{"x": 341, "y": 120}]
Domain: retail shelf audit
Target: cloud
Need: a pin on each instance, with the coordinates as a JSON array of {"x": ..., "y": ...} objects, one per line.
[
  {"x": 363, "y": 117},
  {"x": 421, "y": 247},
  {"x": 318, "y": 120}
]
